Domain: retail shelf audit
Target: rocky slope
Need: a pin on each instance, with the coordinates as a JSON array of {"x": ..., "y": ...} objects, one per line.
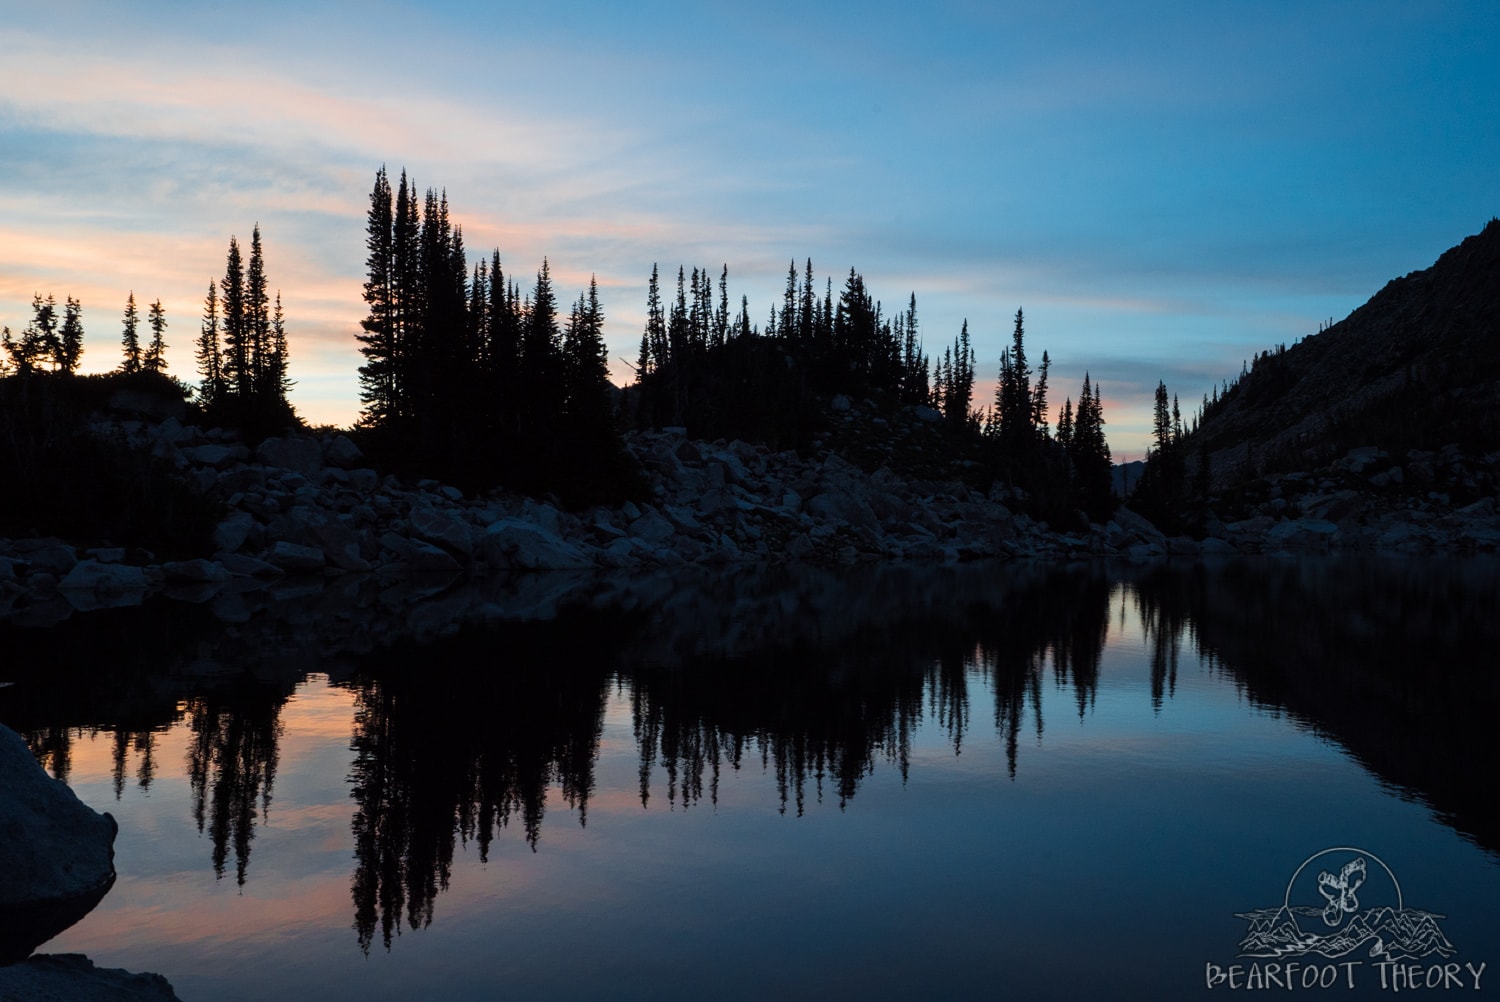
[
  {"x": 1416, "y": 367},
  {"x": 308, "y": 507}
]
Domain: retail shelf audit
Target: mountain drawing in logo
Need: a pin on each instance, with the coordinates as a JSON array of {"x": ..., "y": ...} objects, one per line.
[{"x": 1356, "y": 906}]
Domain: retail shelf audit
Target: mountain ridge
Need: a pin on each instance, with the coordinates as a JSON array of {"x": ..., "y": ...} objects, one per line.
[{"x": 1417, "y": 366}]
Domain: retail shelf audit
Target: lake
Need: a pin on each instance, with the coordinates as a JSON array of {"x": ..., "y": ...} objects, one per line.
[{"x": 1024, "y": 781}]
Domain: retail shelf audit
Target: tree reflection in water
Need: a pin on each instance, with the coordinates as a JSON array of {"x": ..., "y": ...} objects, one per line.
[
  {"x": 231, "y": 766},
  {"x": 456, "y": 738},
  {"x": 821, "y": 677}
]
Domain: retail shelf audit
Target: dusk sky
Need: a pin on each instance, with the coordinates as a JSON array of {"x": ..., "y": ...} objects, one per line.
[{"x": 1165, "y": 188}]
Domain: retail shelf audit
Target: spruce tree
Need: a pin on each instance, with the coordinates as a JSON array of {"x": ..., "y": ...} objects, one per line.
[
  {"x": 721, "y": 314},
  {"x": 130, "y": 339},
  {"x": 276, "y": 368},
  {"x": 257, "y": 320},
  {"x": 586, "y": 359},
  {"x": 155, "y": 358},
  {"x": 504, "y": 353},
  {"x": 654, "y": 338},
  {"x": 914, "y": 387},
  {"x": 208, "y": 354},
  {"x": 787, "y": 322},
  {"x": 1090, "y": 455},
  {"x": 47, "y": 344},
  {"x": 377, "y": 343},
  {"x": 1161, "y": 424},
  {"x": 238, "y": 375},
  {"x": 1017, "y": 426},
  {"x": 70, "y": 338},
  {"x": 958, "y": 381},
  {"x": 806, "y": 315},
  {"x": 405, "y": 296},
  {"x": 540, "y": 358},
  {"x": 1039, "y": 399}
]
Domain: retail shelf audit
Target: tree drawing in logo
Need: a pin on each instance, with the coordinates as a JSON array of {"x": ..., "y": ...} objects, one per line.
[{"x": 1384, "y": 925}]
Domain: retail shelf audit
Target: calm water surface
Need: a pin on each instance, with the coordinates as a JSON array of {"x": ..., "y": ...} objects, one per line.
[{"x": 960, "y": 782}]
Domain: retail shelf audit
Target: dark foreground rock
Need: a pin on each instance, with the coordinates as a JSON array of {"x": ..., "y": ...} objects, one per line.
[
  {"x": 72, "y": 977},
  {"x": 56, "y": 854}
]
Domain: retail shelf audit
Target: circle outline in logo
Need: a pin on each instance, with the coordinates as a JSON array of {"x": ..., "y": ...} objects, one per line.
[{"x": 1286, "y": 900}]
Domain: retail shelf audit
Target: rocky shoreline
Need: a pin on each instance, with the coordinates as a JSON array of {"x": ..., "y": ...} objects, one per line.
[{"x": 309, "y": 505}]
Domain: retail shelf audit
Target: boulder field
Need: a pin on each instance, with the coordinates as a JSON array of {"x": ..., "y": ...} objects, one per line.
[{"x": 309, "y": 504}]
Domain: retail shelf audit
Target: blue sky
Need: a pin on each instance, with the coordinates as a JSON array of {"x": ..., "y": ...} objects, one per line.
[{"x": 1164, "y": 188}]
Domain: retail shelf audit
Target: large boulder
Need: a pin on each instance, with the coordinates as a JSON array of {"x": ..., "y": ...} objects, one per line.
[
  {"x": 293, "y": 452},
  {"x": 512, "y": 543},
  {"x": 295, "y": 558},
  {"x": 844, "y": 506},
  {"x": 418, "y": 555},
  {"x": 103, "y": 579},
  {"x": 342, "y": 546},
  {"x": 340, "y": 451},
  {"x": 56, "y": 854},
  {"x": 233, "y": 531},
  {"x": 1137, "y": 525},
  {"x": 432, "y": 525},
  {"x": 652, "y": 528}
]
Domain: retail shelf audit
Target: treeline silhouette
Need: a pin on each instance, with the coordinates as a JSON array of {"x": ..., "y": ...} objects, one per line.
[
  {"x": 242, "y": 350},
  {"x": 470, "y": 376},
  {"x": 66, "y": 463},
  {"x": 473, "y": 377},
  {"x": 467, "y": 378}
]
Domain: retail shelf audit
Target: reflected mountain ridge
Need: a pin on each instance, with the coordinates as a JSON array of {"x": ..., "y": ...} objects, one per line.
[
  {"x": 824, "y": 677},
  {"x": 1400, "y": 682}
]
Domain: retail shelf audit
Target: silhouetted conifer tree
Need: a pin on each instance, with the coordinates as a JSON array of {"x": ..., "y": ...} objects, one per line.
[
  {"x": 257, "y": 322},
  {"x": 208, "y": 354},
  {"x": 956, "y": 382},
  {"x": 1090, "y": 454},
  {"x": 238, "y": 373},
  {"x": 276, "y": 367},
  {"x": 130, "y": 339},
  {"x": 1039, "y": 399},
  {"x": 154, "y": 359},
  {"x": 377, "y": 376},
  {"x": 245, "y": 382},
  {"x": 70, "y": 337}
]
